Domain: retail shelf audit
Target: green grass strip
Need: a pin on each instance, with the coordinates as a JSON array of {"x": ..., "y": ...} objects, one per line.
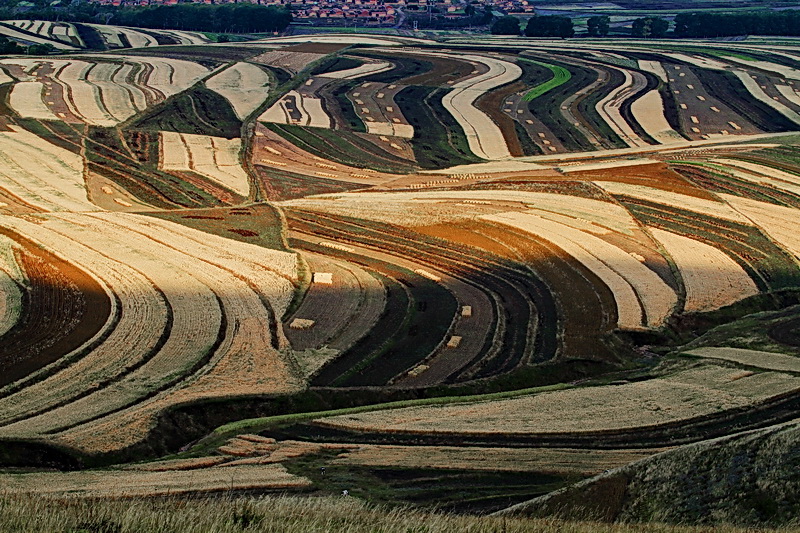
[
  {"x": 560, "y": 77},
  {"x": 724, "y": 53},
  {"x": 254, "y": 425}
]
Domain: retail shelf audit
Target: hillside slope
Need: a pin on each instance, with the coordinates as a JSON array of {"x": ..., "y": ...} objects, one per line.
[{"x": 751, "y": 479}]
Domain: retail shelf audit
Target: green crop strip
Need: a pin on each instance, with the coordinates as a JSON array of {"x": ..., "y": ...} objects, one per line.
[{"x": 560, "y": 77}]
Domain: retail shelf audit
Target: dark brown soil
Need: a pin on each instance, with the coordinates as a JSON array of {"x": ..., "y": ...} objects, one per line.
[
  {"x": 63, "y": 308},
  {"x": 491, "y": 104}
]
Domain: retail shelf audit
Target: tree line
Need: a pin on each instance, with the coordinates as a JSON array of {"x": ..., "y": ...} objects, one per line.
[
  {"x": 731, "y": 24},
  {"x": 225, "y": 18},
  {"x": 686, "y": 25}
]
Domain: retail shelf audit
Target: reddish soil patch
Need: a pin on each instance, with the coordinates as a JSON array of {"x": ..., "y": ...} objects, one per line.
[
  {"x": 657, "y": 175},
  {"x": 12, "y": 205},
  {"x": 584, "y": 321},
  {"x": 244, "y": 232},
  {"x": 63, "y": 308}
]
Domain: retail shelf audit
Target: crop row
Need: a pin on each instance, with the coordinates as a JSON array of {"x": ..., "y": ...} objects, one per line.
[
  {"x": 108, "y": 154},
  {"x": 251, "y": 284},
  {"x": 516, "y": 289},
  {"x": 216, "y": 158},
  {"x": 770, "y": 267},
  {"x": 40, "y": 173},
  {"x": 642, "y": 297},
  {"x": 60, "y": 309}
]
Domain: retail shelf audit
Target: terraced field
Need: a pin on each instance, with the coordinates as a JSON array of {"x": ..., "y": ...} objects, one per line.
[{"x": 504, "y": 266}]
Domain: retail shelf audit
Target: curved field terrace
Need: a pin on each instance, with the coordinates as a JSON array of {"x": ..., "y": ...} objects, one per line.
[{"x": 490, "y": 266}]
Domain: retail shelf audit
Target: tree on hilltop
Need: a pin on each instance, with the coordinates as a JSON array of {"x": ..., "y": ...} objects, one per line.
[
  {"x": 650, "y": 27},
  {"x": 507, "y": 25},
  {"x": 550, "y": 26},
  {"x": 598, "y": 25}
]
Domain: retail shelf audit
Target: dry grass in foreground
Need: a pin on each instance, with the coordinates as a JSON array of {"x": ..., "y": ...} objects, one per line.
[{"x": 278, "y": 514}]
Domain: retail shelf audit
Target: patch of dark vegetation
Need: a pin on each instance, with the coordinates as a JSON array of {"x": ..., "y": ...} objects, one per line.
[
  {"x": 125, "y": 42},
  {"x": 281, "y": 75},
  {"x": 439, "y": 141},
  {"x": 525, "y": 141},
  {"x": 197, "y": 110},
  {"x": 243, "y": 232},
  {"x": 334, "y": 64},
  {"x": 67, "y": 136},
  {"x": 757, "y": 323},
  {"x": 255, "y": 224},
  {"x": 5, "y": 110},
  {"x": 547, "y": 107},
  {"x": 20, "y": 453},
  {"x": 671, "y": 109},
  {"x": 726, "y": 87},
  {"x": 754, "y": 314},
  {"x": 91, "y": 37},
  {"x": 277, "y": 185},
  {"x": 143, "y": 145},
  {"x": 787, "y": 332}
]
